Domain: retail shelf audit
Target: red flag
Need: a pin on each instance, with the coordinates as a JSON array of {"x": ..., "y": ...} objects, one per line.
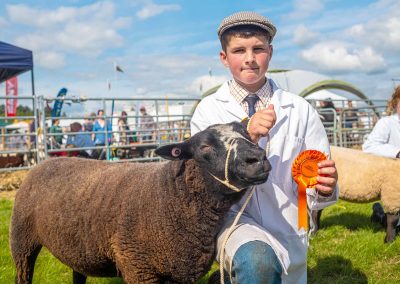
[{"x": 12, "y": 92}]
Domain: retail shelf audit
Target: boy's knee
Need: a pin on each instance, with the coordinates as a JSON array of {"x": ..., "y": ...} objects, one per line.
[{"x": 256, "y": 258}]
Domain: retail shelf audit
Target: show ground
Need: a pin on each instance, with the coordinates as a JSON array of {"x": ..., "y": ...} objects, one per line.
[{"x": 10, "y": 182}]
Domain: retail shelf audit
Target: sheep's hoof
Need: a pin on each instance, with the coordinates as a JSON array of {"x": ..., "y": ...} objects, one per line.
[{"x": 389, "y": 239}]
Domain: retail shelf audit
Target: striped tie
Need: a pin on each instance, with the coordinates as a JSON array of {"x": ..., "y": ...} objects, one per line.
[{"x": 251, "y": 102}]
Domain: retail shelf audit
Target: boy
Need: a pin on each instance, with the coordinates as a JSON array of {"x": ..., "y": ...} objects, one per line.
[{"x": 266, "y": 246}]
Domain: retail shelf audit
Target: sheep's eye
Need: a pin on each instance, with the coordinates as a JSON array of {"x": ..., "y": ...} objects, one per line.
[
  {"x": 205, "y": 148},
  {"x": 176, "y": 152}
]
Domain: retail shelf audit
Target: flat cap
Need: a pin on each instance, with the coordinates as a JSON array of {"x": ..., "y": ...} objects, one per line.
[{"x": 247, "y": 18}]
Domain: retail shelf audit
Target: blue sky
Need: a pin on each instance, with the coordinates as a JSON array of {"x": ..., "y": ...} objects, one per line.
[{"x": 168, "y": 47}]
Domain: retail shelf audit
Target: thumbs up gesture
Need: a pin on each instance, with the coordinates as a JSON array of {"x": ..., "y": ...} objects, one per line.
[{"x": 261, "y": 122}]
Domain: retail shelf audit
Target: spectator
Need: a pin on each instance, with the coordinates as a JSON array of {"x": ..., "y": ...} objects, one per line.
[
  {"x": 80, "y": 140},
  {"x": 126, "y": 135},
  {"x": 384, "y": 140},
  {"x": 16, "y": 141},
  {"x": 327, "y": 112},
  {"x": 57, "y": 136},
  {"x": 88, "y": 122},
  {"x": 147, "y": 125},
  {"x": 101, "y": 126},
  {"x": 32, "y": 133},
  {"x": 350, "y": 116}
]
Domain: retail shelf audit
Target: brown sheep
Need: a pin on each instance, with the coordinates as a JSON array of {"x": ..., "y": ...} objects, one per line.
[{"x": 148, "y": 222}]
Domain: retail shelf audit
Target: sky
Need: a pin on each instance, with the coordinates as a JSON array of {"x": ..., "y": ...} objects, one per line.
[{"x": 171, "y": 48}]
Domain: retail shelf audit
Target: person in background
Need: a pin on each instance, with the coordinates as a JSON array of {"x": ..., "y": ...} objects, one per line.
[
  {"x": 123, "y": 128},
  {"x": 56, "y": 129},
  {"x": 266, "y": 246},
  {"x": 327, "y": 110},
  {"x": 88, "y": 122},
  {"x": 100, "y": 125},
  {"x": 351, "y": 122},
  {"x": 31, "y": 131},
  {"x": 384, "y": 139},
  {"x": 147, "y": 125},
  {"x": 350, "y": 116},
  {"x": 80, "y": 139}
]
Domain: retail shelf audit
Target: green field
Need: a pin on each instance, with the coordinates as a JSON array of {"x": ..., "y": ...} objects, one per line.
[{"x": 348, "y": 249}]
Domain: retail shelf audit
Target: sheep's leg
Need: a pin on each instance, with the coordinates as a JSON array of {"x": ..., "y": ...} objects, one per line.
[
  {"x": 133, "y": 274},
  {"x": 134, "y": 279},
  {"x": 316, "y": 219},
  {"x": 392, "y": 220},
  {"x": 78, "y": 278},
  {"x": 25, "y": 264}
]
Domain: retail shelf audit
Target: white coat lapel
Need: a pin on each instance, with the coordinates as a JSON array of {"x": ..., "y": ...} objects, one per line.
[
  {"x": 231, "y": 105},
  {"x": 282, "y": 105}
]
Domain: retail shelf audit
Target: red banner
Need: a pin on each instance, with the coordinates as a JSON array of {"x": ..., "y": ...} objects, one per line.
[{"x": 12, "y": 92}]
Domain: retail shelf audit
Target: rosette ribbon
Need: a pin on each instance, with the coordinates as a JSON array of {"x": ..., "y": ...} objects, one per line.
[{"x": 305, "y": 172}]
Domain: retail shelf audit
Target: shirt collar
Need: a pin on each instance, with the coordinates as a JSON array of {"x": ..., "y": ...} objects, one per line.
[{"x": 240, "y": 93}]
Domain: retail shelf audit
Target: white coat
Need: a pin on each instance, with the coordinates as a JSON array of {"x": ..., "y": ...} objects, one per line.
[
  {"x": 384, "y": 140},
  {"x": 273, "y": 207}
]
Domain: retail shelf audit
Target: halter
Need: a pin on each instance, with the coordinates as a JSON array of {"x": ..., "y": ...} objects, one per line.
[
  {"x": 231, "y": 186},
  {"x": 236, "y": 220},
  {"x": 226, "y": 181}
]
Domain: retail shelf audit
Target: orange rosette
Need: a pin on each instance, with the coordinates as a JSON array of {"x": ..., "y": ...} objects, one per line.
[{"x": 305, "y": 172}]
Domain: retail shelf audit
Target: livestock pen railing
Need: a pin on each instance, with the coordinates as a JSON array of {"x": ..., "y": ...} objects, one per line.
[
  {"x": 18, "y": 143},
  {"x": 349, "y": 126},
  {"x": 346, "y": 127},
  {"x": 167, "y": 121}
]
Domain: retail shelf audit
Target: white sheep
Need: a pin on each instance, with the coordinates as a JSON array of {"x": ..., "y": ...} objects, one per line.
[{"x": 364, "y": 178}]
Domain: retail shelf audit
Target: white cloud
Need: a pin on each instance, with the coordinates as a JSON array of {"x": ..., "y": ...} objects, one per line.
[
  {"x": 87, "y": 30},
  {"x": 50, "y": 60},
  {"x": 338, "y": 57},
  {"x": 383, "y": 33},
  {"x": 150, "y": 10},
  {"x": 88, "y": 39},
  {"x": 303, "y": 36},
  {"x": 24, "y": 14},
  {"x": 305, "y": 8},
  {"x": 3, "y": 22}
]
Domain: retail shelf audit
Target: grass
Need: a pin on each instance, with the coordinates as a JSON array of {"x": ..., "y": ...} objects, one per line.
[{"x": 348, "y": 249}]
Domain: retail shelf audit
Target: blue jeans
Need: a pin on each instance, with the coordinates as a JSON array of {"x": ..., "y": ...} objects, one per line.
[{"x": 256, "y": 262}]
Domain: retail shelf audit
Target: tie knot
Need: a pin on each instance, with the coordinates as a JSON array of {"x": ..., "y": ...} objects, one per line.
[{"x": 251, "y": 102}]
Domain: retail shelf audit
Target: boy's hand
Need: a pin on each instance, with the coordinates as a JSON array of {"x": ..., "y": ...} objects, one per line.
[
  {"x": 261, "y": 122},
  {"x": 327, "y": 177}
]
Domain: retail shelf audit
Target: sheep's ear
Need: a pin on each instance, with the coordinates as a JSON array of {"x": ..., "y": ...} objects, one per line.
[{"x": 177, "y": 151}]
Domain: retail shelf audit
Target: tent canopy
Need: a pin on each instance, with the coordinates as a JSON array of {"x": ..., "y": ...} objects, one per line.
[{"x": 14, "y": 61}]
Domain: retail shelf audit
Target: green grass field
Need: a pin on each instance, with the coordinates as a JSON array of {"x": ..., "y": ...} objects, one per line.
[{"x": 348, "y": 249}]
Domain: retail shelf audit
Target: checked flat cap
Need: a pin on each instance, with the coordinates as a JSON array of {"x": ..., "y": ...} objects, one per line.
[{"x": 247, "y": 18}]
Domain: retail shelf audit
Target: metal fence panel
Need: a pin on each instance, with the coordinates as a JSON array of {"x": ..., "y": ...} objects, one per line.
[{"x": 346, "y": 127}]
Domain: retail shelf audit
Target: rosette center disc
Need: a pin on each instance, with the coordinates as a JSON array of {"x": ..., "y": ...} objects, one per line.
[{"x": 309, "y": 168}]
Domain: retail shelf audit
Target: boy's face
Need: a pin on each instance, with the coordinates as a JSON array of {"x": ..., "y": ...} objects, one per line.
[{"x": 248, "y": 59}]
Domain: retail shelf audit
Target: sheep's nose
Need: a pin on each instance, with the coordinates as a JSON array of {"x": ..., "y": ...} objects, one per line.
[
  {"x": 254, "y": 156},
  {"x": 253, "y": 160},
  {"x": 259, "y": 161},
  {"x": 266, "y": 165}
]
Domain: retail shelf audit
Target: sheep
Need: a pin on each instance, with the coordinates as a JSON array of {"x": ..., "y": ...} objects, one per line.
[
  {"x": 364, "y": 178},
  {"x": 147, "y": 222}
]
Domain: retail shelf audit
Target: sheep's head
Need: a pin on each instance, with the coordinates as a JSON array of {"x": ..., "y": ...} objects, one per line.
[{"x": 226, "y": 152}]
